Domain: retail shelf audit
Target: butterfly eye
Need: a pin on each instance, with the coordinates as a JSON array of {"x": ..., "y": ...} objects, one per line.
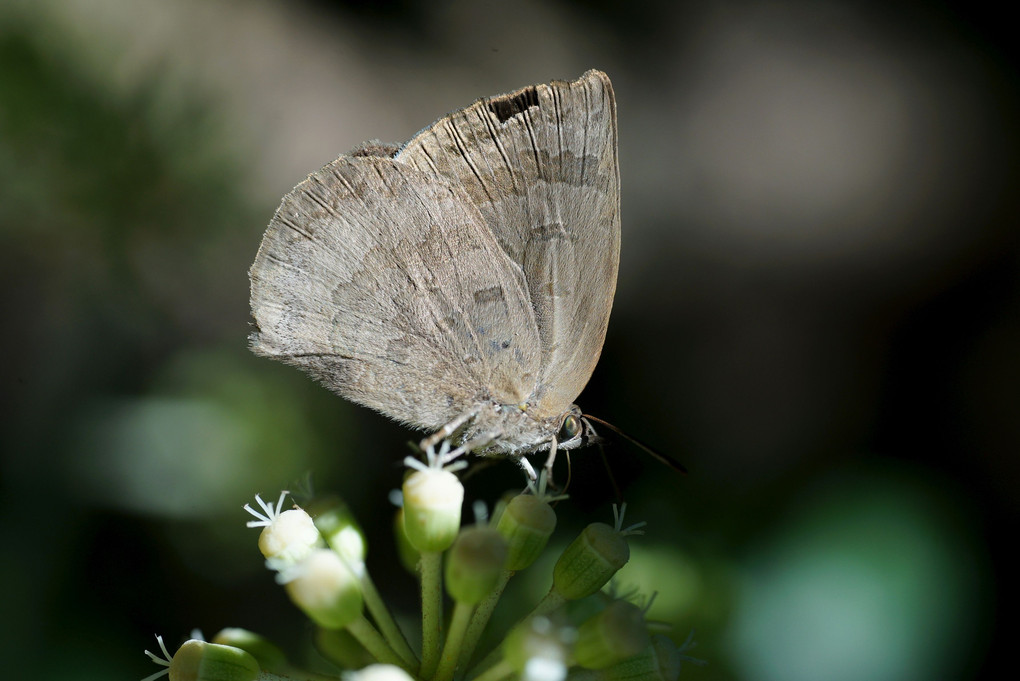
[{"x": 570, "y": 428}]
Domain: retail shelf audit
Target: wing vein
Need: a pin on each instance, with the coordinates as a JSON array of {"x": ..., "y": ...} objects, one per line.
[
  {"x": 287, "y": 223},
  {"x": 534, "y": 144},
  {"x": 486, "y": 119},
  {"x": 462, "y": 148}
]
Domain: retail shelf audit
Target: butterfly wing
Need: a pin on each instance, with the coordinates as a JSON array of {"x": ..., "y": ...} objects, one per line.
[
  {"x": 384, "y": 284},
  {"x": 541, "y": 166}
]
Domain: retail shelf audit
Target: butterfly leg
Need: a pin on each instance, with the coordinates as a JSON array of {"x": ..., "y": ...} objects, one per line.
[
  {"x": 476, "y": 442},
  {"x": 551, "y": 459},
  {"x": 448, "y": 430},
  {"x": 529, "y": 470}
]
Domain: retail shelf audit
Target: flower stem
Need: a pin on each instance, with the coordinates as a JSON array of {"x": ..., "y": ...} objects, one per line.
[
  {"x": 375, "y": 644},
  {"x": 454, "y": 638},
  {"x": 545, "y": 606},
  {"x": 481, "y": 618},
  {"x": 497, "y": 672},
  {"x": 384, "y": 620},
  {"x": 431, "y": 613}
]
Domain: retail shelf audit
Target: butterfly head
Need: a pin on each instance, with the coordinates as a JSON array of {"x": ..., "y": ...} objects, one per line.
[{"x": 575, "y": 431}]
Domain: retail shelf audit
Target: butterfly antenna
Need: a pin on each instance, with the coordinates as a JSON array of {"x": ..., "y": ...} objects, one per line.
[
  {"x": 655, "y": 454},
  {"x": 617, "y": 492}
]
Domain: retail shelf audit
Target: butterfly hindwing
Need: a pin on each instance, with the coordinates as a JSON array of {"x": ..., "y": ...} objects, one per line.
[
  {"x": 385, "y": 284},
  {"x": 540, "y": 164}
]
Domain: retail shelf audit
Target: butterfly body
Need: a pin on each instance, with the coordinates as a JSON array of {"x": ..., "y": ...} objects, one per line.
[{"x": 465, "y": 278}]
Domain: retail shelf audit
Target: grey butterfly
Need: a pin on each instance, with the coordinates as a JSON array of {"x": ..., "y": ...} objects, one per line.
[{"x": 460, "y": 283}]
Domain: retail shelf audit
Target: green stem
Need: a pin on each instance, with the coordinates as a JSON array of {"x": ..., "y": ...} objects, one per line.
[
  {"x": 454, "y": 638},
  {"x": 297, "y": 675},
  {"x": 431, "y": 613},
  {"x": 384, "y": 620},
  {"x": 481, "y": 618},
  {"x": 375, "y": 644},
  {"x": 497, "y": 672},
  {"x": 545, "y": 606},
  {"x": 341, "y": 648}
]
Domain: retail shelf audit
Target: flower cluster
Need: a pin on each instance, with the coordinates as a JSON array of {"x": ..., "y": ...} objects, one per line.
[{"x": 319, "y": 558}]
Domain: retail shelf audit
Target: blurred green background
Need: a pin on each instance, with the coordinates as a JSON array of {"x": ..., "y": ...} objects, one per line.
[{"x": 817, "y": 313}]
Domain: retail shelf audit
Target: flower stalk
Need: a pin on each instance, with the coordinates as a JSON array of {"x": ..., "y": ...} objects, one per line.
[
  {"x": 433, "y": 496},
  {"x": 604, "y": 639}
]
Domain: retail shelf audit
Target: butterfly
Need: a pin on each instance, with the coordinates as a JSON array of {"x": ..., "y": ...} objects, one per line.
[{"x": 462, "y": 282}]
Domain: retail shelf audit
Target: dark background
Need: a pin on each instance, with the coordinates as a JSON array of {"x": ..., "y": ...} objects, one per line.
[{"x": 817, "y": 313}]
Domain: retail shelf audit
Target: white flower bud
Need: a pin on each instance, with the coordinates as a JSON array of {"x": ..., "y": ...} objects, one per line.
[
  {"x": 432, "y": 502},
  {"x": 379, "y": 672},
  {"x": 288, "y": 536},
  {"x": 325, "y": 589}
]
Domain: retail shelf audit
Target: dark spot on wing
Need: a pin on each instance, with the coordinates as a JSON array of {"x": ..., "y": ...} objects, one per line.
[
  {"x": 398, "y": 351},
  {"x": 498, "y": 346},
  {"x": 508, "y": 106},
  {"x": 549, "y": 232},
  {"x": 489, "y": 295}
]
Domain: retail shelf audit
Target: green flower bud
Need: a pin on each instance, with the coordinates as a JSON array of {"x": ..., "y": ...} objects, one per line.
[
  {"x": 583, "y": 608},
  {"x": 201, "y": 661},
  {"x": 341, "y": 648},
  {"x": 474, "y": 564},
  {"x": 340, "y": 530},
  {"x": 590, "y": 561},
  {"x": 432, "y": 502},
  {"x": 612, "y": 636},
  {"x": 268, "y": 655},
  {"x": 667, "y": 657},
  {"x": 409, "y": 556},
  {"x": 659, "y": 661},
  {"x": 537, "y": 648},
  {"x": 325, "y": 589},
  {"x": 527, "y": 522},
  {"x": 500, "y": 506}
]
